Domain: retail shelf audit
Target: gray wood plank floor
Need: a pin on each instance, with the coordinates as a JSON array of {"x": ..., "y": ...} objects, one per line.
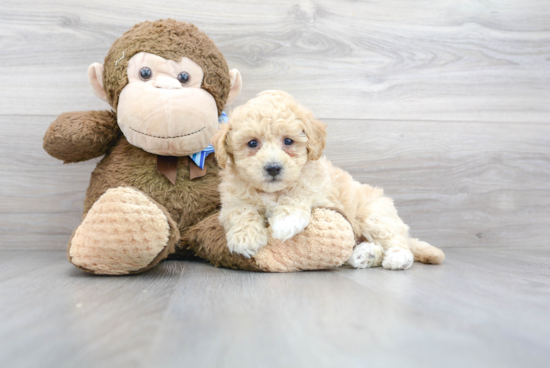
[
  {"x": 481, "y": 308},
  {"x": 400, "y": 60}
]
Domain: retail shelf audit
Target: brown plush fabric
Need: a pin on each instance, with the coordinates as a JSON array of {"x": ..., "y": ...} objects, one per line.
[
  {"x": 187, "y": 202},
  {"x": 171, "y": 40},
  {"x": 81, "y": 135},
  {"x": 207, "y": 241}
]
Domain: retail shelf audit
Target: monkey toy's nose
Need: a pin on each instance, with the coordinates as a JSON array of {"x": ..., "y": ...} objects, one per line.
[
  {"x": 273, "y": 169},
  {"x": 167, "y": 83}
]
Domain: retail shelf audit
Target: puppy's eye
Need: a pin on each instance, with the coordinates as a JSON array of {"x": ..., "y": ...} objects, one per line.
[
  {"x": 145, "y": 73},
  {"x": 253, "y": 143},
  {"x": 184, "y": 77},
  {"x": 288, "y": 142}
]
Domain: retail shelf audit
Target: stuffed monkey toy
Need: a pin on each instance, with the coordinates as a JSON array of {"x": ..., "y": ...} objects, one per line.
[{"x": 154, "y": 194}]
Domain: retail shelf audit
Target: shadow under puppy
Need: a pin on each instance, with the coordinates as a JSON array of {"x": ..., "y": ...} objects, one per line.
[{"x": 274, "y": 176}]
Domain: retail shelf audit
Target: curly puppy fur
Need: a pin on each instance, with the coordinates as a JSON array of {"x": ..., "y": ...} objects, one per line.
[{"x": 278, "y": 178}]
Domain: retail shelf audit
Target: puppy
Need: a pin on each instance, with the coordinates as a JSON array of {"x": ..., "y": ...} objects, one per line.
[{"x": 274, "y": 175}]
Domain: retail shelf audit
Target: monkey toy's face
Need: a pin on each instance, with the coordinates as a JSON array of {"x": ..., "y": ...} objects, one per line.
[{"x": 163, "y": 108}]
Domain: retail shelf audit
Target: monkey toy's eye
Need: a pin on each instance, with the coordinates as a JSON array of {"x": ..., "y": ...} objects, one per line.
[
  {"x": 183, "y": 77},
  {"x": 253, "y": 143},
  {"x": 145, "y": 73},
  {"x": 288, "y": 142}
]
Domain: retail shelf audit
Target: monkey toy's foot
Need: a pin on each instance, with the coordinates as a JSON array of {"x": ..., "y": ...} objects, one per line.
[
  {"x": 326, "y": 242},
  {"x": 124, "y": 232}
]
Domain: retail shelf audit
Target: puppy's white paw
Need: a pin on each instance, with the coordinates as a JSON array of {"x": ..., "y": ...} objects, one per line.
[
  {"x": 246, "y": 240},
  {"x": 366, "y": 255},
  {"x": 285, "y": 228},
  {"x": 397, "y": 259}
]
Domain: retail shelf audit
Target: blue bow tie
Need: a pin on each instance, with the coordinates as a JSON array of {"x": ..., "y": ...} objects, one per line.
[{"x": 199, "y": 157}]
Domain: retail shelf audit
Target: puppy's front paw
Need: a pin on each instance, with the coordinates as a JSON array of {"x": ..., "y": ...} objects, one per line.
[
  {"x": 286, "y": 227},
  {"x": 246, "y": 240},
  {"x": 366, "y": 255},
  {"x": 397, "y": 259}
]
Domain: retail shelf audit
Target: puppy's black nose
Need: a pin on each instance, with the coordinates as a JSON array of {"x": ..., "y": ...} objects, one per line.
[{"x": 273, "y": 169}]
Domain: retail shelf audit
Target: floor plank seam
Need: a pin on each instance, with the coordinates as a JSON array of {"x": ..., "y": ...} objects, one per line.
[
  {"x": 354, "y": 119},
  {"x": 158, "y": 334}
]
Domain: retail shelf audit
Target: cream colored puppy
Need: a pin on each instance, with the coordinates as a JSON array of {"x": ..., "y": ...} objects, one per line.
[{"x": 274, "y": 175}]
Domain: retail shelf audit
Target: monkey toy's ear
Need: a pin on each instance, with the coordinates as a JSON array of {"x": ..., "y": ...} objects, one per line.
[
  {"x": 236, "y": 85},
  {"x": 95, "y": 77}
]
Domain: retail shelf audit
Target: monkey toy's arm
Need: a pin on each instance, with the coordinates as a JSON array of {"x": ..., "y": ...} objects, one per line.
[{"x": 80, "y": 136}]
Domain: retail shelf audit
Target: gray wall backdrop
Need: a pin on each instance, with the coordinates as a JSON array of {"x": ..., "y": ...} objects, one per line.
[{"x": 445, "y": 104}]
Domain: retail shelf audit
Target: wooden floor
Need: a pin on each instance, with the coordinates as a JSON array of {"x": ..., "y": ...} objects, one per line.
[{"x": 481, "y": 308}]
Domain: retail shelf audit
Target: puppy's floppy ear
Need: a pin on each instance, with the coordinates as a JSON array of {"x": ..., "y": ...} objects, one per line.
[
  {"x": 316, "y": 137},
  {"x": 220, "y": 145}
]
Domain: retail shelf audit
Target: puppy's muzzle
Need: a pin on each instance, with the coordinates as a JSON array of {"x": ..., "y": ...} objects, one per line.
[{"x": 273, "y": 169}]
